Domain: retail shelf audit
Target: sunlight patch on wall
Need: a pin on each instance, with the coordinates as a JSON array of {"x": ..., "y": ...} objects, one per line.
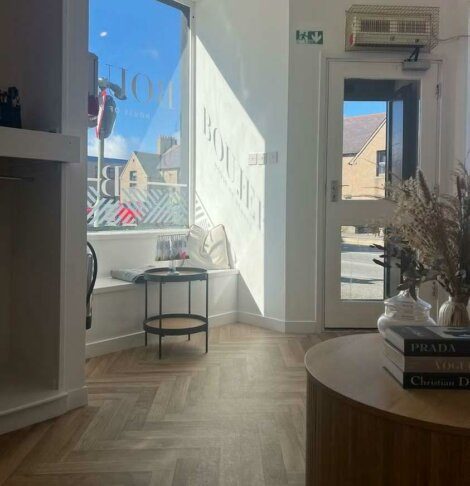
[{"x": 232, "y": 192}]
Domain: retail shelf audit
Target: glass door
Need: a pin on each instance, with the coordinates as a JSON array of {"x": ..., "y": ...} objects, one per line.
[{"x": 382, "y": 125}]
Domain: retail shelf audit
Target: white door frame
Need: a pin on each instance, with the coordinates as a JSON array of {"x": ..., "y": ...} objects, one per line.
[{"x": 323, "y": 157}]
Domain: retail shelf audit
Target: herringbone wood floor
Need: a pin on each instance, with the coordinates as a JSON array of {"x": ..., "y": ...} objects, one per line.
[{"x": 235, "y": 416}]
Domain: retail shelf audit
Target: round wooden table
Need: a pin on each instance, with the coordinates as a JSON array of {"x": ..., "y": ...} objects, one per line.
[{"x": 364, "y": 429}]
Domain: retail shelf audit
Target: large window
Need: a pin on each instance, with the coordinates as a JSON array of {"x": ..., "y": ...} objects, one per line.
[{"x": 138, "y": 140}]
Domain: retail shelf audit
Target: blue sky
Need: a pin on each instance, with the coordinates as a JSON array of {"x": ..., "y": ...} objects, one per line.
[
  {"x": 356, "y": 108},
  {"x": 144, "y": 37}
]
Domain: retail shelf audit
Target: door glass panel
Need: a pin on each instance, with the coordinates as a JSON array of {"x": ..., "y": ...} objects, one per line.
[
  {"x": 380, "y": 142},
  {"x": 361, "y": 278},
  {"x": 364, "y": 150}
]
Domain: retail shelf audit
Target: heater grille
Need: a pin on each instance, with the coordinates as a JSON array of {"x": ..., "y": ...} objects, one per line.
[
  {"x": 379, "y": 27},
  {"x": 413, "y": 26},
  {"x": 374, "y": 25}
]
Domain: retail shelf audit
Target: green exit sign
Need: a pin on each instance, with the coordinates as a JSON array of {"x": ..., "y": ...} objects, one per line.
[{"x": 310, "y": 37}]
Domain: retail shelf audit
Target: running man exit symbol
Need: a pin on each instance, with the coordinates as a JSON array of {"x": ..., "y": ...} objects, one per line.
[{"x": 310, "y": 37}]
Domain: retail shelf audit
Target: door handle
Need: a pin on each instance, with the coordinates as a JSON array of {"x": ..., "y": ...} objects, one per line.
[{"x": 334, "y": 191}]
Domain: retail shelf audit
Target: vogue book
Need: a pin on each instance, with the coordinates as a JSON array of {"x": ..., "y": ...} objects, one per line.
[{"x": 426, "y": 364}]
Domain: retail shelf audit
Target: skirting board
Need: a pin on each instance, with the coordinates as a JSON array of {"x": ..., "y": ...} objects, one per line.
[
  {"x": 77, "y": 398},
  {"x": 286, "y": 327},
  {"x": 42, "y": 410},
  {"x": 136, "y": 339}
]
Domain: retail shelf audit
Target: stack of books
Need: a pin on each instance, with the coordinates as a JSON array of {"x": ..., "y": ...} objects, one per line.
[{"x": 428, "y": 357}]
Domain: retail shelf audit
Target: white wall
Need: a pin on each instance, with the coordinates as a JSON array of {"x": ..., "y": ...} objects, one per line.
[
  {"x": 241, "y": 108},
  {"x": 5, "y": 270},
  {"x": 251, "y": 78},
  {"x": 304, "y": 276},
  {"x": 256, "y": 91}
]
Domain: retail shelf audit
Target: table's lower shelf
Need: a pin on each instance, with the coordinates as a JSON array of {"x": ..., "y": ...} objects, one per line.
[
  {"x": 183, "y": 325},
  {"x": 176, "y": 325}
]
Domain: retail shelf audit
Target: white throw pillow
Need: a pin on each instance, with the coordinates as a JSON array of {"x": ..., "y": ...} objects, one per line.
[{"x": 208, "y": 249}]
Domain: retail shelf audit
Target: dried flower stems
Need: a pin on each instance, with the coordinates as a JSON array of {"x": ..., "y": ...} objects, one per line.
[{"x": 437, "y": 228}]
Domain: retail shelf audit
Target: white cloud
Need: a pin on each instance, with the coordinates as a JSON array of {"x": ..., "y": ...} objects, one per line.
[
  {"x": 152, "y": 53},
  {"x": 103, "y": 34},
  {"x": 115, "y": 147}
]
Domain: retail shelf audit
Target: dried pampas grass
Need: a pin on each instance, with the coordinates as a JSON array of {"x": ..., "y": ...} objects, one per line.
[{"x": 437, "y": 228}]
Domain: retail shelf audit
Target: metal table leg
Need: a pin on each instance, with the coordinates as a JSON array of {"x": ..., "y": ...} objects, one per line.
[
  {"x": 160, "y": 314},
  {"x": 207, "y": 314},
  {"x": 146, "y": 311},
  {"x": 189, "y": 304}
]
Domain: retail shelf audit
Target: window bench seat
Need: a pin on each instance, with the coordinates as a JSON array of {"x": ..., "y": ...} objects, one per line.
[{"x": 118, "y": 308}]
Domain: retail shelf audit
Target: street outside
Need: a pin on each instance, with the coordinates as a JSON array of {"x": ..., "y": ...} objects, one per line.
[{"x": 361, "y": 278}]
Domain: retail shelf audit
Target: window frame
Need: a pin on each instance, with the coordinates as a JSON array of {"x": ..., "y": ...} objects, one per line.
[
  {"x": 191, "y": 107},
  {"x": 133, "y": 178},
  {"x": 378, "y": 162}
]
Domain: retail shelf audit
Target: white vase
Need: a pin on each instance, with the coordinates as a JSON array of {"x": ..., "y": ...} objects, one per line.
[
  {"x": 403, "y": 310},
  {"x": 454, "y": 312}
]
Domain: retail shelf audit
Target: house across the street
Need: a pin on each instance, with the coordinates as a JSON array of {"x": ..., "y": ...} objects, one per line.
[
  {"x": 364, "y": 156},
  {"x": 144, "y": 170}
]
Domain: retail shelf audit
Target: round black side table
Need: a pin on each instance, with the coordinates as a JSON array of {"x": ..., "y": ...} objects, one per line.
[{"x": 163, "y": 276}]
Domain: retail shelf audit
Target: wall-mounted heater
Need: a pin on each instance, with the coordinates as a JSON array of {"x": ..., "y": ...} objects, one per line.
[{"x": 380, "y": 27}]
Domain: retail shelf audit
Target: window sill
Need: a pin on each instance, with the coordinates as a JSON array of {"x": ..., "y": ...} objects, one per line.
[
  {"x": 134, "y": 234},
  {"x": 105, "y": 285}
]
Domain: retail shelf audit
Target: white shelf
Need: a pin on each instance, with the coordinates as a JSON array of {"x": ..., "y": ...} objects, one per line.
[{"x": 16, "y": 143}]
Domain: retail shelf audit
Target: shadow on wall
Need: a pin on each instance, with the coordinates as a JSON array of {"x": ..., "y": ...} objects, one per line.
[
  {"x": 250, "y": 307},
  {"x": 230, "y": 191},
  {"x": 239, "y": 111}
]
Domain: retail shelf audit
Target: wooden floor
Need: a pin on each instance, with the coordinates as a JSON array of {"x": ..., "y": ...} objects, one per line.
[{"x": 235, "y": 416}]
